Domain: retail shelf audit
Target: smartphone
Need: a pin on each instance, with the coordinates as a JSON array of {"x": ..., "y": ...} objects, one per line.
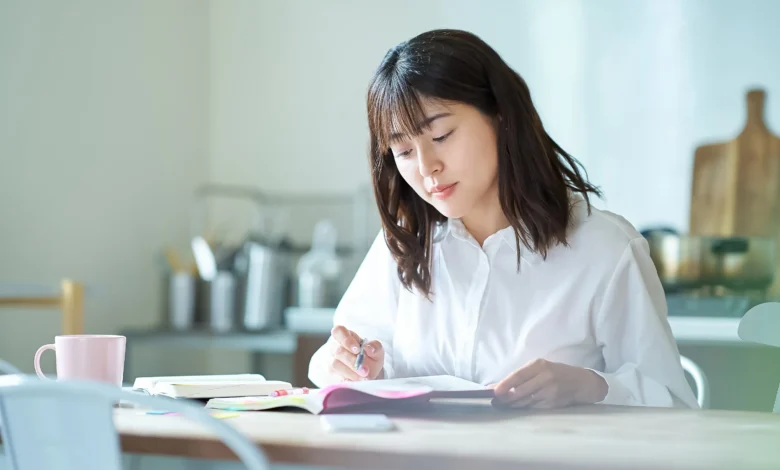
[{"x": 356, "y": 423}]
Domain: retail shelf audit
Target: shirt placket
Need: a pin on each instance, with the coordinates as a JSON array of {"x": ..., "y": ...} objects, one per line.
[{"x": 473, "y": 305}]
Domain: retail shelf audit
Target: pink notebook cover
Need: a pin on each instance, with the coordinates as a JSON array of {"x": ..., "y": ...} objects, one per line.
[{"x": 341, "y": 396}]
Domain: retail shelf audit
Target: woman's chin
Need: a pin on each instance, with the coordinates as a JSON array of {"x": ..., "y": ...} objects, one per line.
[{"x": 448, "y": 209}]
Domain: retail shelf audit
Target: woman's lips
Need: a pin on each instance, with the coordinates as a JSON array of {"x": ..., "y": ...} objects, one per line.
[{"x": 443, "y": 192}]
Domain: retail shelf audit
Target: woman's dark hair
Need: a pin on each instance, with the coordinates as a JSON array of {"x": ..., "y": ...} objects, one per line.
[{"x": 535, "y": 175}]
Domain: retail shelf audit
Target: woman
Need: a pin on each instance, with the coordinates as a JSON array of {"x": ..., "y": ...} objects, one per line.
[{"x": 492, "y": 266}]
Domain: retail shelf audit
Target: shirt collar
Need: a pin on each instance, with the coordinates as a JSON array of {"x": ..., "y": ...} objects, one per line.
[{"x": 455, "y": 228}]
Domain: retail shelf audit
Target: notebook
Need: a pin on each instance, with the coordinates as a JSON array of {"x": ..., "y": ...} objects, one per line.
[
  {"x": 209, "y": 386},
  {"x": 365, "y": 395}
]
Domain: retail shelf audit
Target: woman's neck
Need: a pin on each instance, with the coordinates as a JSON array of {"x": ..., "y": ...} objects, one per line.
[{"x": 485, "y": 218}]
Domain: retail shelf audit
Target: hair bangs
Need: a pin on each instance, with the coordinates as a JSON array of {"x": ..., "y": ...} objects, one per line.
[{"x": 395, "y": 111}]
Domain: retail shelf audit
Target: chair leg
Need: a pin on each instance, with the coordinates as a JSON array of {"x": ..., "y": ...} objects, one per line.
[{"x": 72, "y": 308}]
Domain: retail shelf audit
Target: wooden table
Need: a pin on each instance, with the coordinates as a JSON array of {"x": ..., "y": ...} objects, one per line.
[{"x": 474, "y": 436}]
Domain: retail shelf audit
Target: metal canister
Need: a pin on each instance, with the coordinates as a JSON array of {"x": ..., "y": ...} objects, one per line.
[{"x": 181, "y": 300}]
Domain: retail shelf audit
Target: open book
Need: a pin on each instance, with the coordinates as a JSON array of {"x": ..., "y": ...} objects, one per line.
[
  {"x": 209, "y": 386},
  {"x": 363, "y": 396}
]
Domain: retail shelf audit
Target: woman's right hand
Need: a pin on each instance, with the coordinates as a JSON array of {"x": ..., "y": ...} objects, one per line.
[{"x": 344, "y": 351}]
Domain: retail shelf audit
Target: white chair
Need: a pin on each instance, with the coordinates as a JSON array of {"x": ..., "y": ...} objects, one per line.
[
  {"x": 700, "y": 379},
  {"x": 8, "y": 368},
  {"x": 761, "y": 325},
  {"x": 68, "y": 425}
]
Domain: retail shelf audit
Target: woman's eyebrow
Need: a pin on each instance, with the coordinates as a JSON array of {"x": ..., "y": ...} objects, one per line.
[{"x": 422, "y": 125}]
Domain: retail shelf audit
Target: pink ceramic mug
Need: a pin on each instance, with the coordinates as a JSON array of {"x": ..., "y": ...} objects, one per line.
[{"x": 87, "y": 357}]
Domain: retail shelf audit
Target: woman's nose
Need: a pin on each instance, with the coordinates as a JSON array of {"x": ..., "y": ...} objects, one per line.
[{"x": 428, "y": 162}]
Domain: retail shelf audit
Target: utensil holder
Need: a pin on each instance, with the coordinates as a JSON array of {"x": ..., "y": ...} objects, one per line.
[{"x": 181, "y": 301}]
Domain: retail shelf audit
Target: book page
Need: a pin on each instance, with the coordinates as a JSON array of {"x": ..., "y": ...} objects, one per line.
[
  {"x": 218, "y": 389},
  {"x": 439, "y": 383},
  {"x": 309, "y": 402},
  {"x": 147, "y": 383}
]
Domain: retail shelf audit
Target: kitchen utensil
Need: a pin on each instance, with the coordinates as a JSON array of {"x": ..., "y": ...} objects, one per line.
[
  {"x": 262, "y": 272},
  {"x": 215, "y": 306},
  {"x": 204, "y": 258},
  {"x": 685, "y": 261},
  {"x": 319, "y": 269},
  {"x": 260, "y": 265},
  {"x": 736, "y": 184},
  {"x": 181, "y": 300},
  {"x": 222, "y": 295},
  {"x": 173, "y": 260}
]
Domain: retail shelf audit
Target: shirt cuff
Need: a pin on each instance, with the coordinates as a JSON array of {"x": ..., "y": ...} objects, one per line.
[
  {"x": 617, "y": 393},
  {"x": 387, "y": 367}
]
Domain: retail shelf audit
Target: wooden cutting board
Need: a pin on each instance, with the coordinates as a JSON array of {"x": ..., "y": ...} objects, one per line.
[{"x": 736, "y": 184}]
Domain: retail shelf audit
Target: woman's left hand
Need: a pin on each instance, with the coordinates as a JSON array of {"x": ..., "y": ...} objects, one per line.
[{"x": 545, "y": 384}]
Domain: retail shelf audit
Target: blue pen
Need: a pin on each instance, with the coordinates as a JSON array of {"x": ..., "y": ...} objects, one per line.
[{"x": 360, "y": 357}]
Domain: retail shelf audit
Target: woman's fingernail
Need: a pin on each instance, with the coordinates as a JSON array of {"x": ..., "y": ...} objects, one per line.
[
  {"x": 371, "y": 349},
  {"x": 362, "y": 371},
  {"x": 355, "y": 349},
  {"x": 498, "y": 403}
]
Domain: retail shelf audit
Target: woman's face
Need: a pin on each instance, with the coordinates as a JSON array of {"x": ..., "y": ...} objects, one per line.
[{"x": 453, "y": 164}]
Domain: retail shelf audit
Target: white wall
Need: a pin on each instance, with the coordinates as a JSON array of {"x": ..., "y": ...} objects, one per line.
[
  {"x": 103, "y": 136},
  {"x": 111, "y": 112},
  {"x": 630, "y": 88}
]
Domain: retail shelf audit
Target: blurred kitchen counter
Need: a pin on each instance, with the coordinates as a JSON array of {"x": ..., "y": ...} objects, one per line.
[
  {"x": 318, "y": 322},
  {"x": 304, "y": 332},
  {"x": 742, "y": 375}
]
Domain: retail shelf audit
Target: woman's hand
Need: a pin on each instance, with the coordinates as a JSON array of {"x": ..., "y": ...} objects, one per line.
[
  {"x": 545, "y": 384},
  {"x": 344, "y": 352}
]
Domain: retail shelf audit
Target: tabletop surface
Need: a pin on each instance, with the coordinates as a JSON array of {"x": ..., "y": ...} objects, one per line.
[{"x": 473, "y": 434}]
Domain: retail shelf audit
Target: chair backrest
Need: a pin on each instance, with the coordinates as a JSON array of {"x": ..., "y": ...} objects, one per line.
[
  {"x": 761, "y": 325},
  {"x": 8, "y": 368},
  {"x": 69, "y": 299},
  {"x": 700, "y": 379},
  {"x": 68, "y": 425}
]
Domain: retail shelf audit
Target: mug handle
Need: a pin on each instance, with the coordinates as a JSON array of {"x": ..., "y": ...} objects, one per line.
[{"x": 37, "y": 360}]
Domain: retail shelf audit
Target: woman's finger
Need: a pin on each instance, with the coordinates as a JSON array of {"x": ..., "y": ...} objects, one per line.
[
  {"x": 373, "y": 367},
  {"x": 525, "y": 393},
  {"x": 545, "y": 398},
  {"x": 517, "y": 378},
  {"x": 339, "y": 368},
  {"x": 349, "y": 339},
  {"x": 374, "y": 349},
  {"x": 532, "y": 386},
  {"x": 369, "y": 369},
  {"x": 344, "y": 356}
]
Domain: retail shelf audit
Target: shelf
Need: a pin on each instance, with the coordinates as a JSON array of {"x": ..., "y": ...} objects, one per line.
[
  {"x": 281, "y": 341},
  {"x": 707, "y": 331}
]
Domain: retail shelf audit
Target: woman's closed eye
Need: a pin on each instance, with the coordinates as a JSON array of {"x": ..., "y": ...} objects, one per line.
[
  {"x": 408, "y": 152},
  {"x": 444, "y": 137},
  {"x": 403, "y": 154}
]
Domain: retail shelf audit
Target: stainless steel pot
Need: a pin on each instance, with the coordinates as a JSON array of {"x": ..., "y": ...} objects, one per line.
[
  {"x": 263, "y": 272},
  {"x": 690, "y": 261}
]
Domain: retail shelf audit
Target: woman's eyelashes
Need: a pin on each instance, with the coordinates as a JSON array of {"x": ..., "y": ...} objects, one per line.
[
  {"x": 444, "y": 137},
  {"x": 439, "y": 139}
]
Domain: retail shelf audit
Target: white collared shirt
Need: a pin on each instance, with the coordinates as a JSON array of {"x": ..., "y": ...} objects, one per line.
[{"x": 597, "y": 303}]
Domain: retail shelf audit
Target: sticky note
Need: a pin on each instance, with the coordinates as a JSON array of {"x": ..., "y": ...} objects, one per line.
[{"x": 218, "y": 415}]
